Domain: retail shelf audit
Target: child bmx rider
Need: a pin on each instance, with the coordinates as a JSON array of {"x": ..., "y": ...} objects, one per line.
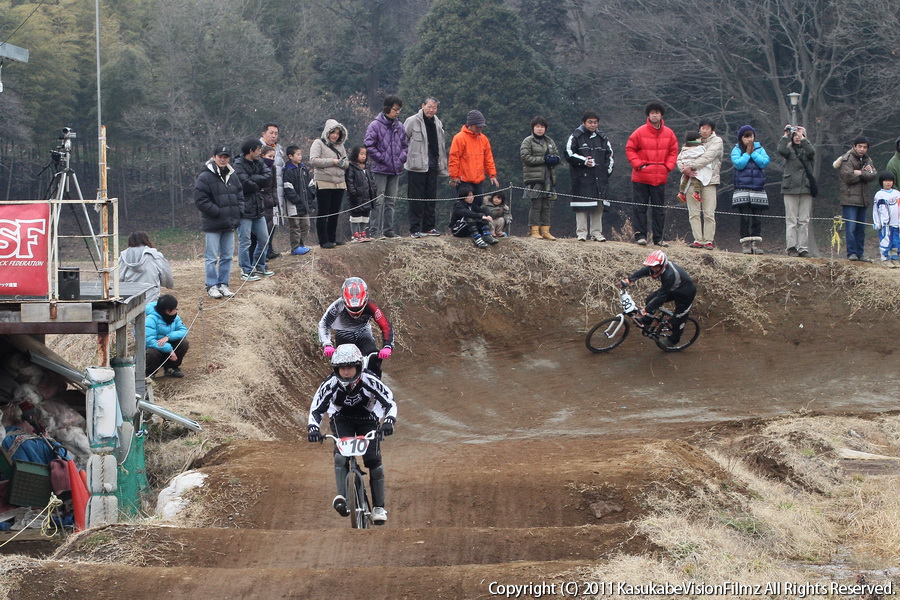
[{"x": 355, "y": 400}]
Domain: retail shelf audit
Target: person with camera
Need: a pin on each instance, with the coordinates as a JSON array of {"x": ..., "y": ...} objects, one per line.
[
  {"x": 856, "y": 171},
  {"x": 540, "y": 156},
  {"x": 798, "y": 187},
  {"x": 652, "y": 151},
  {"x": 591, "y": 157}
]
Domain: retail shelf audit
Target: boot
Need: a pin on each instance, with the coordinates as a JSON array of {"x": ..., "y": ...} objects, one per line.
[
  {"x": 545, "y": 233},
  {"x": 536, "y": 232},
  {"x": 746, "y": 248},
  {"x": 756, "y": 245}
]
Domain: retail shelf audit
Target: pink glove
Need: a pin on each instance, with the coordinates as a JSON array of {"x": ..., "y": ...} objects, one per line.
[
  {"x": 384, "y": 353},
  {"x": 328, "y": 350}
]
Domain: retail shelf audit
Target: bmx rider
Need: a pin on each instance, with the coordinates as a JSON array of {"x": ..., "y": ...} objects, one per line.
[{"x": 675, "y": 285}]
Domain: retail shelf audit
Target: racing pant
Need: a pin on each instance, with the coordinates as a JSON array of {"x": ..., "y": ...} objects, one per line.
[{"x": 683, "y": 299}]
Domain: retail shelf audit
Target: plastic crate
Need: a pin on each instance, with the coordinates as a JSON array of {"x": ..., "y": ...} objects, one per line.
[{"x": 30, "y": 484}]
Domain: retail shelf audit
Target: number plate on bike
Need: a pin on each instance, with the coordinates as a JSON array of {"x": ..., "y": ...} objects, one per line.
[
  {"x": 352, "y": 446},
  {"x": 628, "y": 305}
]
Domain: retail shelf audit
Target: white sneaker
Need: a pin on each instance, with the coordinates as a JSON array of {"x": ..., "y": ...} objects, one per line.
[
  {"x": 340, "y": 505},
  {"x": 213, "y": 292},
  {"x": 225, "y": 291},
  {"x": 379, "y": 515}
]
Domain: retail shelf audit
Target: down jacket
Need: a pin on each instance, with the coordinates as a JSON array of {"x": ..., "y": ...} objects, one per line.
[
  {"x": 142, "y": 264},
  {"x": 387, "y": 145},
  {"x": 218, "y": 198},
  {"x": 322, "y": 154},
  {"x": 156, "y": 329},
  {"x": 652, "y": 153},
  {"x": 533, "y": 152},
  {"x": 471, "y": 157},
  {"x": 749, "y": 169},
  {"x": 894, "y": 164},
  {"x": 255, "y": 178}
]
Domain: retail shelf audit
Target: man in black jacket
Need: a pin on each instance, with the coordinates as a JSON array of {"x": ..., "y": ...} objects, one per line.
[
  {"x": 255, "y": 176},
  {"x": 218, "y": 196},
  {"x": 591, "y": 157}
]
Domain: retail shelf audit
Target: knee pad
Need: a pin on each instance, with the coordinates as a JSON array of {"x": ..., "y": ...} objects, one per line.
[{"x": 372, "y": 464}]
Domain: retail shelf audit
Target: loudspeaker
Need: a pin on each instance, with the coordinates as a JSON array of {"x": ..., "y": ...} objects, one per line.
[{"x": 69, "y": 283}]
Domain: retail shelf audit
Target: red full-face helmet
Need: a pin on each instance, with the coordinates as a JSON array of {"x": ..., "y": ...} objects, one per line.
[
  {"x": 657, "y": 262},
  {"x": 356, "y": 295}
]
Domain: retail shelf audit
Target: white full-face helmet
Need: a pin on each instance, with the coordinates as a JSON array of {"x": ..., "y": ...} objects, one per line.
[{"x": 347, "y": 355}]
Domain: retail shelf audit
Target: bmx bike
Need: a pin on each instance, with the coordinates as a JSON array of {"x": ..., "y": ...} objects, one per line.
[
  {"x": 357, "y": 498},
  {"x": 610, "y": 333}
]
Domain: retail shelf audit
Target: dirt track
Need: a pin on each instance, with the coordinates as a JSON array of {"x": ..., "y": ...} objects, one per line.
[{"x": 519, "y": 457}]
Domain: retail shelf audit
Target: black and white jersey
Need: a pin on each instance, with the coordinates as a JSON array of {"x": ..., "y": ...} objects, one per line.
[
  {"x": 369, "y": 398},
  {"x": 354, "y": 328}
]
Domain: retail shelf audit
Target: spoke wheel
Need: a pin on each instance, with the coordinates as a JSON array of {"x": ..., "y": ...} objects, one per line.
[
  {"x": 357, "y": 501},
  {"x": 689, "y": 335},
  {"x": 607, "y": 334}
]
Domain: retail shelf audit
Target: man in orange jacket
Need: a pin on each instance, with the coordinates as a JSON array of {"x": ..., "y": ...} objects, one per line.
[{"x": 471, "y": 156}]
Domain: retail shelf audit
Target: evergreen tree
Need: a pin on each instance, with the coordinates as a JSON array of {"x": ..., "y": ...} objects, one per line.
[{"x": 471, "y": 55}]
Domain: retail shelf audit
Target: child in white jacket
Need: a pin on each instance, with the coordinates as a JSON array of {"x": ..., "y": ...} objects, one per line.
[{"x": 886, "y": 219}]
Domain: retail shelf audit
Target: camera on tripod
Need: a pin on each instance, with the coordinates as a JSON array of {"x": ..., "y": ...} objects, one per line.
[{"x": 64, "y": 145}]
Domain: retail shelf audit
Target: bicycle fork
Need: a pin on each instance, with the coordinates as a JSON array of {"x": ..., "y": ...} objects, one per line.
[{"x": 614, "y": 327}]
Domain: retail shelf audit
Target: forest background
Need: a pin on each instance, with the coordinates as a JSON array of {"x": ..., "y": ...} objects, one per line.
[{"x": 181, "y": 76}]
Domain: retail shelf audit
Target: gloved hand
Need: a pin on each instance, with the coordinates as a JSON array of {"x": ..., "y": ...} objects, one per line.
[
  {"x": 551, "y": 160},
  {"x": 387, "y": 427},
  {"x": 328, "y": 351},
  {"x": 312, "y": 434},
  {"x": 384, "y": 353},
  {"x": 625, "y": 283}
]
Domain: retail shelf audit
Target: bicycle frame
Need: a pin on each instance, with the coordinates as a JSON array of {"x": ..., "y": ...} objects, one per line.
[{"x": 358, "y": 499}]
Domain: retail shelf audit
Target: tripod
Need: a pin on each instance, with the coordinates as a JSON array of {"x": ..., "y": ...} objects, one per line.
[{"x": 59, "y": 193}]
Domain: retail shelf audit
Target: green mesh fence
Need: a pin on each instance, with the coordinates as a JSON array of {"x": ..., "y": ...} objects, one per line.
[{"x": 132, "y": 479}]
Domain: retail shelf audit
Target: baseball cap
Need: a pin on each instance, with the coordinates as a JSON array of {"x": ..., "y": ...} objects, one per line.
[{"x": 220, "y": 150}]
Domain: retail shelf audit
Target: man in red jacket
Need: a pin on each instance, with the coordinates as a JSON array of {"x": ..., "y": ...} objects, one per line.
[{"x": 652, "y": 151}]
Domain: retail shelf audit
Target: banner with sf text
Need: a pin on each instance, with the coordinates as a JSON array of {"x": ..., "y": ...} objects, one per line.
[{"x": 24, "y": 249}]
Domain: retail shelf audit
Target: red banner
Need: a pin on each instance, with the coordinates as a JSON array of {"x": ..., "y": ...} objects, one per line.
[{"x": 24, "y": 246}]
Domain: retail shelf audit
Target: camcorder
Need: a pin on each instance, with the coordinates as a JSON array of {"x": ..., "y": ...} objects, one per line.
[
  {"x": 67, "y": 134},
  {"x": 792, "y": 129}
]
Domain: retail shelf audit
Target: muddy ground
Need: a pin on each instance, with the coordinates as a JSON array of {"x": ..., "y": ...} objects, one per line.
[{"x": 519, "y": 456}]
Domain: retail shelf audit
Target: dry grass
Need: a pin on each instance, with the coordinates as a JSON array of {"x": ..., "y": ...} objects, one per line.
[
  {"x": 755, "y": 529},
  {"x": 120, "y": 544},
  {"x": 14, "y": 569}
]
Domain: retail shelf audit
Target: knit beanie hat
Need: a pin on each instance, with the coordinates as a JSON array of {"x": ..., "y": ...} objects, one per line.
[
  {"x": 745, "y": 129},
  {"x": 475, "y": 118}
]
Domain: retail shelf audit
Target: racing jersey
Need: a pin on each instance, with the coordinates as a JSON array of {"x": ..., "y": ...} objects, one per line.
[
  {"x": 367, "y": 399},
  {"x": 354, "y": 328}
]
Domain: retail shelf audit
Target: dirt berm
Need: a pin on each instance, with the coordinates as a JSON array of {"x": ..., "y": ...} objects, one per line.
[{"x": 520, "y": 457}]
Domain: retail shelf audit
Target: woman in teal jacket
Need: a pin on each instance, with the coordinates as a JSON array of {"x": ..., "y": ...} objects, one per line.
[{"x": 165, "y": 335}]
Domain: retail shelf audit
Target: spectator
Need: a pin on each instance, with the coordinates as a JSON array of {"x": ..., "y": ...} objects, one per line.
[
  {"x": 894, "y": 164},
  {"x": 471, "y": 155},
  {"x": 702, "y": 215},
  {"x": 165, "y": 337},
  {"x": 255, "y": 177},
  {"x": 269, "y": 201},
  {"x": 361, "y": 194},
  {"x": 540, "y": 156},
  {"x": 797, "y": 186},
  {"x": 328, "y": 157},
  {"x": 498, "y": 209},
  {"x": 218, "y": 195},
  {"x": 886, "y": 219},
  {"x": 652, "y": 151},
  {"x": 269, "y": 139},
  {"x": 386, "y": 146},
  {"x": 143, "y": 263},
  {"x": 297, "y": 196},
  {"x": 749, "y": 198},
  {"x": 692, "y": 149},
  {"x": 469, "y": 218},
  {"x": 426, "y": 160},
  {"x": 856, "y": 171},
  {"x": 591, "y": 156}
]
